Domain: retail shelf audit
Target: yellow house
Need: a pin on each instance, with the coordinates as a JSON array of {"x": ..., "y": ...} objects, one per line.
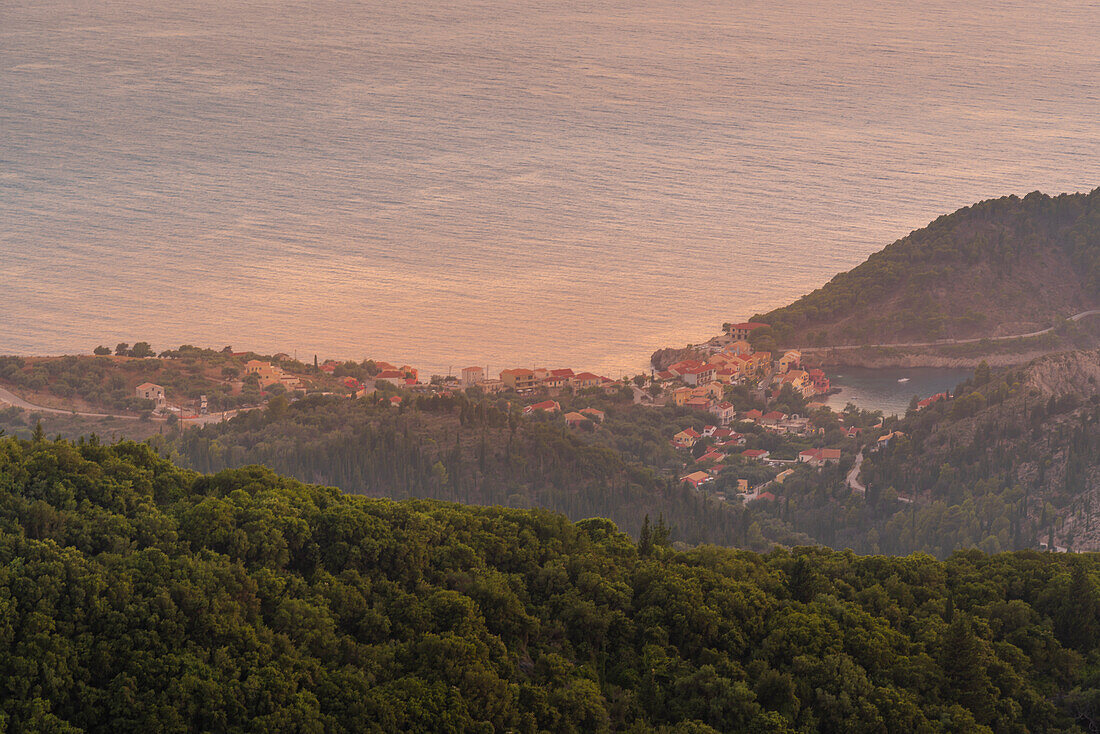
[
  {"x": 681, "y": 395},
  {"x": 265, "y": 372},
  {"x": 712, "y": 390},
  {"x": 520, "y": 379},
  {"x": 789, "y": 360}
]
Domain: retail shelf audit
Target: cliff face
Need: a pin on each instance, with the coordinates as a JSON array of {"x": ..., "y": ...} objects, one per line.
[
  {"x": 1000, "y": 267},
  {"x": 662, "y": 358},
  {"x": 1075, "y": 374}
]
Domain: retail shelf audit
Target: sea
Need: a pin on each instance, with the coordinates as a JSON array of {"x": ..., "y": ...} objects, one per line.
[
  {"x": 501, "y": 183},
  {"x": 891, "y": 390}
]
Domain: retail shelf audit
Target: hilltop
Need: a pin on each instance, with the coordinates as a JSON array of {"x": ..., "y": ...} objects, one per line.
[
  {"x": 141, "y": 597},
  {"x": 1000, "y": 267}
]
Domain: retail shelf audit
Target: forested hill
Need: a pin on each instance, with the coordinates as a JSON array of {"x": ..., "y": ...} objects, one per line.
[
  {"x": 1000, "y": 267},
  {"x": 138, "y": 597},
  {"x": 475, "y": 452},
  {"x": 1016, "y": 452}
]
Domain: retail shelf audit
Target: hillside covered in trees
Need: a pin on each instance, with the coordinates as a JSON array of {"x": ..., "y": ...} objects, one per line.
[
  {"x": 1000, "y": 267},
  {"x": 1019, "y": 449},
  {"x": 1011, "y": 461},
  {"x": 137, "y": 596},
  {"x": 478, "y": 451}
]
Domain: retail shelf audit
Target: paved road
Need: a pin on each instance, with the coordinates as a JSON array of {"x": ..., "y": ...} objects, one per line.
[
  {"x": 1075, "y": 317},
  {"x": 11, "y": 398},
  {"x": 853, "y": 475}
]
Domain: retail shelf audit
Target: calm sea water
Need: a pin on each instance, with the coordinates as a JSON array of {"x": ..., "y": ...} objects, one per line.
[
  {"x": 503, "y": 183},
  {"x": 890, "y": 390}
]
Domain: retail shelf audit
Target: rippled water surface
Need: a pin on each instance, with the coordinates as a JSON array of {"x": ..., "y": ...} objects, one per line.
[
  {"x": 890, "y": 390},
  {"x": 502, "y": 183}
]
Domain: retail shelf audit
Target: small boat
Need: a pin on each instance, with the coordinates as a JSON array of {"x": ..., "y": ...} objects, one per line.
[{"x": 904, "y": 379}]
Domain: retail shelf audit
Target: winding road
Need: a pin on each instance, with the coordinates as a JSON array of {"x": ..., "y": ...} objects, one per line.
[
  {"x": 11, "y": 398},
  {"x": 853, "y": 475},
  {"x": 1029, "y": 335}
]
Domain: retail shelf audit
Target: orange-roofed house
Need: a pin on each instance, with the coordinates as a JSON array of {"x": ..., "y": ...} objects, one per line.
[
  {"x": 724, "y": 412},
  {"x": 934, "y": 399},
  {"x": 681, "y": 395},
  {"x": 713, "y": 390},
  {"x": 758, "y": 454},
  {"x": 679, "y": 368},
  {"x": 594, "y": 414},
  {"x": 394, "y": 377},
  {"x": 697, "y": 478},
  {"x": 819, "y": 457},
  {"x": 472, "y": 375},
  {"x": 575, "y": 419},
  {"x": 700, "y": 375},
  {"x": 710, "y": 457},
  {"x": 773, "y": 418},
  {"x": 753, "y": 415},
  {"x": 758, "y": 361},
  {"x": 151, "y": 391},
  {"x": 697, "y": 403},
  {"x": 726, "y": 375},
  {"x": 790, "y": 360},
  {"x": 585, "y": 380},
  {"x": 686, "y": 438},
  {"x": 800, "y": 381},
  {"x": 819, "y": 380}
]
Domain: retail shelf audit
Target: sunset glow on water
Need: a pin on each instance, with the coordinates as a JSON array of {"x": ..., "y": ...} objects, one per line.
[{"x": 500, "y": 183}]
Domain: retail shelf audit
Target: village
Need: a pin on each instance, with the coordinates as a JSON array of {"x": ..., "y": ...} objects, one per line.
[{"x": 741, "y": 420}]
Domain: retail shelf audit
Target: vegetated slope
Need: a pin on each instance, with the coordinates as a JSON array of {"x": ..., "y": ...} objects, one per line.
[
  {"x": 1019, "y": 451},
  {"x": 999, "y": 267},
  {"x": 140, "y": 597},
  {"x": 456, "y": 449}
]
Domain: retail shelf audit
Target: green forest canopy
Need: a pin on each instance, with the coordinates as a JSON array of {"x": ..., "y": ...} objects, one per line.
[{"x": 139, "y": 596}]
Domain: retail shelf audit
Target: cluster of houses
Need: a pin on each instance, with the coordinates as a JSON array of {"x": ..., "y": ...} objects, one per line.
[
  {"x": 403, "y": 376},
  {"x": 731, "y": 359},
  {"x": 728, "y": 443},
  {"x": 574, "y": 419},
  {"x": 540, "y": 379},
  {"x": 269, "y": 374}
]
